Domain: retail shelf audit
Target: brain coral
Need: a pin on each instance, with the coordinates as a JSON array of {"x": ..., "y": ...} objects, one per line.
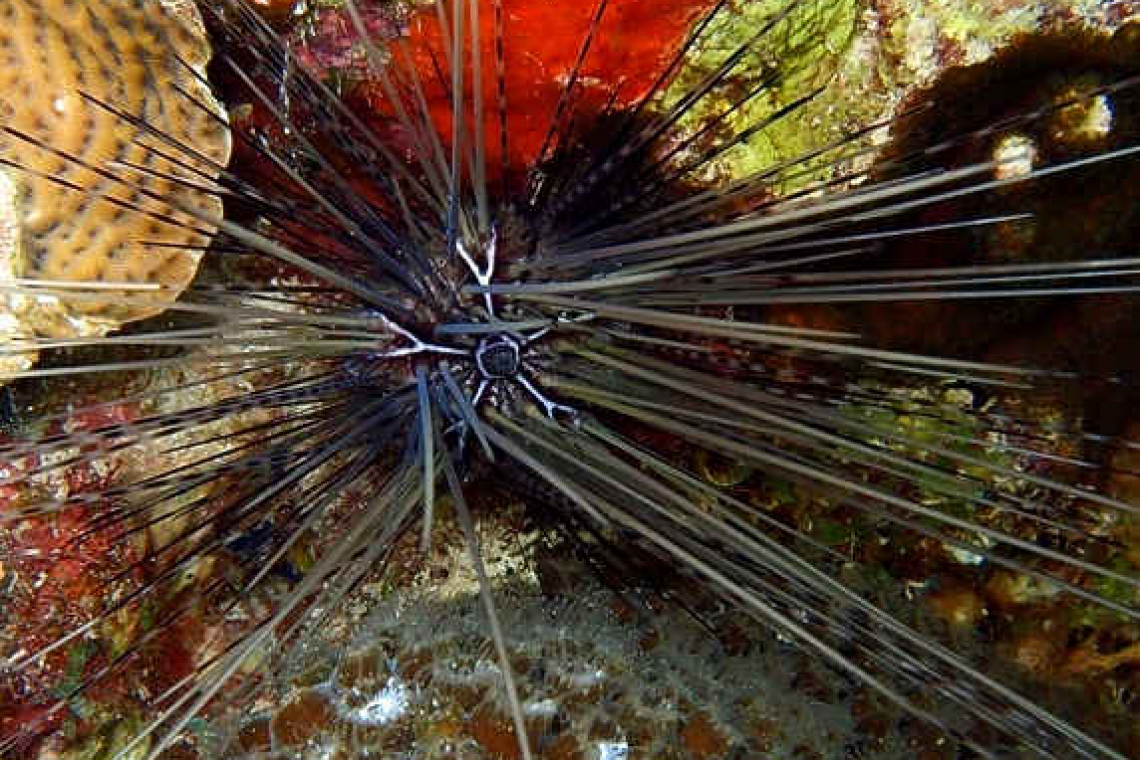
[{"x": 96, "y": 99}]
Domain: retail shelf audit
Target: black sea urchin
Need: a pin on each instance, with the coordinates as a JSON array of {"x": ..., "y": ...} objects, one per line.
[{"x": 396, "y": 320}]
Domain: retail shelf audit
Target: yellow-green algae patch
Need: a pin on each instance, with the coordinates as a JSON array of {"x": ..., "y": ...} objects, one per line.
[
  {"x": 867, "y": 58},
  {"x": 789, "y": 53}
]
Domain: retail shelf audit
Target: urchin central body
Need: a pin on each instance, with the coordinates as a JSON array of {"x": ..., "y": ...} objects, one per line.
[{"x": 498, "y": 357}]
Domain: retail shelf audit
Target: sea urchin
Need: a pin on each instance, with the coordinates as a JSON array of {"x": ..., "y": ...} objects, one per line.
[{"x": 403, "y": 311}]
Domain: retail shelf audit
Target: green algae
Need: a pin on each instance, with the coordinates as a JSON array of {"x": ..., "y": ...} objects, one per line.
[
  {"x": 918, "y": 40},
  {"x": 864, "y": 58},
  {"x": 940, "y": 430},
  {"x": 792, "y": 52},
  {"x": 112, "y": 741}
]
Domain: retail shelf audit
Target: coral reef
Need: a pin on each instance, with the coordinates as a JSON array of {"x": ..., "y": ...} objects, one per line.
[
  {"x": 596, "y": 680},
  {"x": 93, "y": 94},
  {"x": 417, "y": 677}
]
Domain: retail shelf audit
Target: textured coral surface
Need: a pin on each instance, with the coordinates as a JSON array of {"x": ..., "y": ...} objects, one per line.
[
  {"x": 84, "y": 90},
  {"x": 596, "y": 681}
]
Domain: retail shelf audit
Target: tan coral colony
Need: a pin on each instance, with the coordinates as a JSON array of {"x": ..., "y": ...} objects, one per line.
[{"x": 86, "y": 188}]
